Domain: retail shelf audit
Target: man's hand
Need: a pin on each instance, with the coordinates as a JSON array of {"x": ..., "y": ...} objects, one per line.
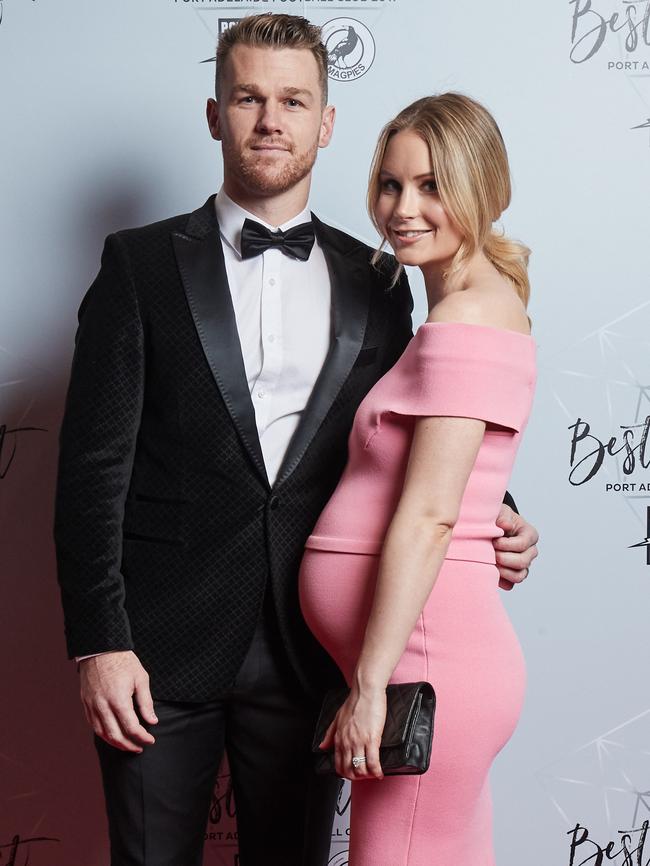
[
  {"x": 108, "y": 683},
  {"x": 516, "y": 549}
]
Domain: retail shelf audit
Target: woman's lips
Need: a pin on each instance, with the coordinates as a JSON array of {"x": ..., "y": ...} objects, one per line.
[{"x": 410, "y": 236}]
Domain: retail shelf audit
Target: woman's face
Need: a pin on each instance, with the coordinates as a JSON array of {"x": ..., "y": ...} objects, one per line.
[{"x": 409, "y": 211}]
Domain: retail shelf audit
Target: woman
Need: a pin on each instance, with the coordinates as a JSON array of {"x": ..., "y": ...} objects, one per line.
[{"x": 399, "y": 581}]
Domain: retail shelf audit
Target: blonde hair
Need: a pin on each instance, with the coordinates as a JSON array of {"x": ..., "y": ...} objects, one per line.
[
  {"x": 273, "y": 30},
  {"x": 470, "y": 165}
]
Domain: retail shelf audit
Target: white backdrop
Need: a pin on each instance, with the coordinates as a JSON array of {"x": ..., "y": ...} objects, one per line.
[{"x": 103, "y": 128}]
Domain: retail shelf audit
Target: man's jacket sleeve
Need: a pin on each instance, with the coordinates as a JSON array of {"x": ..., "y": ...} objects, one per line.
[{"x": 97, "y": 444}]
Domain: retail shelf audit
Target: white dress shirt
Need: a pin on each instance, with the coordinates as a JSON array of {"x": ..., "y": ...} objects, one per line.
[{"x": 283, "y": 314}]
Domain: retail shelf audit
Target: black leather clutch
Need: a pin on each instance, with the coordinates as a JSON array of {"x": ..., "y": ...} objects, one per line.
[{"x": 406, "y": 739}]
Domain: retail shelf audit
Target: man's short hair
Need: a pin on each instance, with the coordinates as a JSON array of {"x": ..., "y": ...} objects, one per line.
[{"x": 273, "y": 30}]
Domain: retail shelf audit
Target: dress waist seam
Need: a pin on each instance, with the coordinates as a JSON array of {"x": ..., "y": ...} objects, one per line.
[{"x": 463, "y": 550}]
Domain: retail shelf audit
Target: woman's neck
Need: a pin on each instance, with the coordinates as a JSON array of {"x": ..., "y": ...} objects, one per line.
[{"x": 476, "y": 271}]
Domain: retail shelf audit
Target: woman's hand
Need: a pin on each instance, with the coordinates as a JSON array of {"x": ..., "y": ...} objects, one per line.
[{"x": 356, "y": 732}]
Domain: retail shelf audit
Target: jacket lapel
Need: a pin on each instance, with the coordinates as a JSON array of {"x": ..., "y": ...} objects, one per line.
[
  {"x": 199, "y": 255},
  {"x": 350, "y": 285}
]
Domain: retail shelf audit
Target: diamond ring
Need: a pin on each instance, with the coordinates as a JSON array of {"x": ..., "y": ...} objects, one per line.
[{"x": 358, "y": 760}]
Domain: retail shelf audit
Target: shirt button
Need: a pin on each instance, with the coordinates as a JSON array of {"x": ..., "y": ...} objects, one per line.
[
  {"x": 261, "y": 393},
  {"x": 272, "y": 281},
  {"x": 271, "y": 338}
]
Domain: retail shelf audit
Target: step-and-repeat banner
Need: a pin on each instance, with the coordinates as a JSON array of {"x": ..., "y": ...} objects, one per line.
[{"x": 103, "y": 128}]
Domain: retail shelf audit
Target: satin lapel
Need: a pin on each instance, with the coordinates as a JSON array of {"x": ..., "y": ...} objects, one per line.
[
  {"x": 350, "y": 297},
  {"x": 199, "y": 255}
]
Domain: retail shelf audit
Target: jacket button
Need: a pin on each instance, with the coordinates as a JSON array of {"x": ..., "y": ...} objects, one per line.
[{"x": 274, "y": 502}]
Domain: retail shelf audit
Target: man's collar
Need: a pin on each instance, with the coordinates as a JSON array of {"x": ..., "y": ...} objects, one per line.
[{"x": 231, "y": 218}]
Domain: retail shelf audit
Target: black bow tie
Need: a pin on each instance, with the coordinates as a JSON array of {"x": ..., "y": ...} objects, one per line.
[{"x": 295, "y": 242}]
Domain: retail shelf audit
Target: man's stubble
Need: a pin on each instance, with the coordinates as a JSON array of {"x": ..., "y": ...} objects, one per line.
[{"x": 258, "y": 176}]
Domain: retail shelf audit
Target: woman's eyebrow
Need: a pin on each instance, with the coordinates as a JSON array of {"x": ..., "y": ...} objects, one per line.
[{"x": 385, "y": 173}]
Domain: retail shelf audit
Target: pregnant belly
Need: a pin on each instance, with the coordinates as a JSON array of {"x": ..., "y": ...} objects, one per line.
[
  {"x": 463, "y": 643},
  {"x": 336, "y": 592}
]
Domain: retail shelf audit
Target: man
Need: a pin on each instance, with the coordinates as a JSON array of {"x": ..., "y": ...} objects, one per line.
[{"x": 217, "y": 369}]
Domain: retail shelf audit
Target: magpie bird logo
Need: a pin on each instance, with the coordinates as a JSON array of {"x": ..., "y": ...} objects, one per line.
[
  {"x": 343, "y": 48},
  {"x": 350, "y": 49},
  {"x": 646, "y": 541}
]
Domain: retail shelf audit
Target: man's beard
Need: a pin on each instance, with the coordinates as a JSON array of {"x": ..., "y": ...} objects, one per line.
[{"x": 258, "y": 175}]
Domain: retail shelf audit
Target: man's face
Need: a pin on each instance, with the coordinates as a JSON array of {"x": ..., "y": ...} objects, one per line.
[{"x": 269, "y": 118}]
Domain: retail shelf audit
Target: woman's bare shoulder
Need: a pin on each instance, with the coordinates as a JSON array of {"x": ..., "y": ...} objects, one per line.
[{"x": 495, "y": 306}]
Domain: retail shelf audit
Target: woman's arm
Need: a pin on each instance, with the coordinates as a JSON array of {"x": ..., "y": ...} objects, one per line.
[
  {"x": 443, "y": 451},
  {"x": 442, "y": 455}
]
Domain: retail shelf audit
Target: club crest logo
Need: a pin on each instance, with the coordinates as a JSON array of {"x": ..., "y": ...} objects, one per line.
[{"x": 350, "y": 49}]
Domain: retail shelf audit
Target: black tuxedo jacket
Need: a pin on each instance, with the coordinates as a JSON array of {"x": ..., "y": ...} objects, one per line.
[{"x": 167, "y": 531}]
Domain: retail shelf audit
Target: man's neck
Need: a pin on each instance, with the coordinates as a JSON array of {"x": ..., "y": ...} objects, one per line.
[{"x": 275, "y": 210}]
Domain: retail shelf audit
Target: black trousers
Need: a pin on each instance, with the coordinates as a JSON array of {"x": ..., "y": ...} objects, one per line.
[{"x": 158, "y": 801}]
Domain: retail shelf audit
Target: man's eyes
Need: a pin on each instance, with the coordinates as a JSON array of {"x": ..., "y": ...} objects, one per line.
[{"x": 250, "y": 100}]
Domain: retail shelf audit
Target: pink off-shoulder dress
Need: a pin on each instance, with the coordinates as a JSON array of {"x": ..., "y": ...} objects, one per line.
[{"x": 463, "y": 643}]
